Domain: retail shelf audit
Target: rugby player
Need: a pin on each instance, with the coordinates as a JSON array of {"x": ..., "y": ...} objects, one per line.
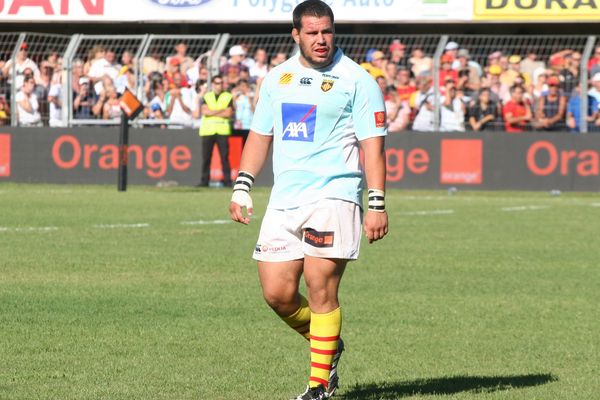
[{"x": 317, "y": 110}]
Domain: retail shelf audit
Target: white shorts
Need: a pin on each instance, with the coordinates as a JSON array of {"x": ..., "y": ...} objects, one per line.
[{"x": 329, "y": 228}]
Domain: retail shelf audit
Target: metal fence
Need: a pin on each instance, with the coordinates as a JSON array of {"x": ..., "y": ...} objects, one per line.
[
  {"x": 35, "y": 59},
  {"x": 431, "y": 82}
]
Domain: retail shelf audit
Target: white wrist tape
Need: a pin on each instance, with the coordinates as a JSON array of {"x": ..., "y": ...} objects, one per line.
[
  {"x": 376, "y": 200},
  {"x": 242, "y": 198}
]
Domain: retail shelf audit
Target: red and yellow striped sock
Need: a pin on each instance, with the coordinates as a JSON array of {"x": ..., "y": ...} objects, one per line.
[
  {"x": 324, "y": 336},
  {"x": 300, "y": 320}
]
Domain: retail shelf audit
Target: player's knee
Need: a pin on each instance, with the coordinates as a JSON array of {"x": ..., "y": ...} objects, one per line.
[
  {"x": 279, "y": 300},
  {"x": 322, "y": 299}
]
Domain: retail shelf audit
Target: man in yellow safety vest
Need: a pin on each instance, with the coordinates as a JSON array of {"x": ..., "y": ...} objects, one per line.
[{"x": 217, "y": 111}]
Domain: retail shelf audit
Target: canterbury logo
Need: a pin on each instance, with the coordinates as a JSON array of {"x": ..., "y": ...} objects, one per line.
[
  {"x": 285, "y": 78},
  {"x": 306, "y": 81}
]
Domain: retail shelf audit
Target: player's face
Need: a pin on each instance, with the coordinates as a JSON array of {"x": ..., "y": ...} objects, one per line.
[{"x": 315, "y": 39}]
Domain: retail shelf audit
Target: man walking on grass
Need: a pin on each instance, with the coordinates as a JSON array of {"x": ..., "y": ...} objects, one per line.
[{"x": 317, "y": 110}]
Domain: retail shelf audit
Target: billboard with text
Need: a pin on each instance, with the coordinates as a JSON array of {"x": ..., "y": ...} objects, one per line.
[
  {"x": 233, "y": 11},
  {"x": 536, "y": 10},
  {"x": 530, "y": 161}
]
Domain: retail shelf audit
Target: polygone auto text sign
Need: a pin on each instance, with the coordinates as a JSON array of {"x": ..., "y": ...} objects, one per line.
[{"x": 531, "y": 161}]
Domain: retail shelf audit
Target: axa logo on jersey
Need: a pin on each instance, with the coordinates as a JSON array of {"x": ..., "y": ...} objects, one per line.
[{"x": 299, "y": 121}]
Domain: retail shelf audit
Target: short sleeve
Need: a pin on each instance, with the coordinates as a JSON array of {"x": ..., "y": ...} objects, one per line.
[
  {"x": 368, "y": 111},
  {"x": 263, "y": 120}
]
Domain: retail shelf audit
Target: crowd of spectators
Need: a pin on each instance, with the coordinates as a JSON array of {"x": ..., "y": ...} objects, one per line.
[
  {"x": 499, "y": 92},
  {"x": 507, "y": 92},
  {"x": 173, "y": 86}
]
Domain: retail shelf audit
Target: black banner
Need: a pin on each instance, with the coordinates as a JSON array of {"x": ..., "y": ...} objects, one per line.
[{"x": 530, "y": 161}]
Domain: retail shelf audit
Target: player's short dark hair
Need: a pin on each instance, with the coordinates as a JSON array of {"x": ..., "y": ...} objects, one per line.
[{"x": 313, "y": 8}]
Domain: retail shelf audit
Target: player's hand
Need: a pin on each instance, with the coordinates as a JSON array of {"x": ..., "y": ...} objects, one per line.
[
  {"x": 240, "y": 200},
  {"x": 376, "y": 225}
]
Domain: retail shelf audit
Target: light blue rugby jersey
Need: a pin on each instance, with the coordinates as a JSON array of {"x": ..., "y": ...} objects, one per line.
[{"x": 316, "y": 118}]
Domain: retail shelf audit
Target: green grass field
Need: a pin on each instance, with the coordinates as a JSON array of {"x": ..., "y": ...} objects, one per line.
[{"x": 152, "y": 294}]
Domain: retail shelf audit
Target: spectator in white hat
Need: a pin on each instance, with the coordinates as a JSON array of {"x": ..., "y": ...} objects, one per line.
[
  {"x": 451, "y": 50},
  {"x": 236, "y": 58}
]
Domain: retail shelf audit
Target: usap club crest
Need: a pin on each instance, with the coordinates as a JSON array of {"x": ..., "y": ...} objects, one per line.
[{"x": 326, "y": 85}]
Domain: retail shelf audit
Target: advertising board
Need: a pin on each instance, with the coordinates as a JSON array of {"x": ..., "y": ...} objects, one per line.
[
  {"x": 233, "y": 11},
  {"x": 529, "y": 161}
]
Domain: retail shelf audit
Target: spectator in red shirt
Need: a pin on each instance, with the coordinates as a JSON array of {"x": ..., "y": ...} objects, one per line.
[
  {"x": 446, "y": 71},
  {"x": 404, "y": 86},
  {"x": 175, "y": 69},
  {"x": 517, "y": 111}
]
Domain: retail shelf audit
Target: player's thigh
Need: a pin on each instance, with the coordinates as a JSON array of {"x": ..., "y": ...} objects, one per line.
[
  {"x": 324, "y": 273},
  {"x": 280, "y": 280}
]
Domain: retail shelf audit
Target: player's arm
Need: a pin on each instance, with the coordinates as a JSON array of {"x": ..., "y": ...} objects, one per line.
[
  {"x": 376, "y": 219},
  {"x": 254, "y": 155}
]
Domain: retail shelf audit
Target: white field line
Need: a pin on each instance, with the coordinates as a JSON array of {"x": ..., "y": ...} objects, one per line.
[
  {"x": 117, "y": 226},
  {"x": 29, "y": 229},
  {"x": 428, "y": 212},
  {"x": 202, "y": 222},
  {"x": 524, "y": 208},
  {"x": 595, "y": 204}
]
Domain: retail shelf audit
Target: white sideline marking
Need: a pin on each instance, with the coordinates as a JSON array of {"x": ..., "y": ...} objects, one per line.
[
  {"x": 115, "y": 226},
  {"x": 524, "y": 208},
  {"x": 29, "y": 229},
  {"x": 430, "y": 212},
  {"x": 213, "y": 222}
]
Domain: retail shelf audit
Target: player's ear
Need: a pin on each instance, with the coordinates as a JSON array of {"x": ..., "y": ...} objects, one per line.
[{"x": 296, "y": 35}]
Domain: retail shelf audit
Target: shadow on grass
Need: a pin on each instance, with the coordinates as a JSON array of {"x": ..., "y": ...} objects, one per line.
[{"x": 443, "y": 386}]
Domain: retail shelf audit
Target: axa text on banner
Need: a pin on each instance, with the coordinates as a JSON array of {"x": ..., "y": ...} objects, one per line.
[
  {"x": 4, "y": 155},
  {"x": 536, "y": 10},
  {"x": 233, "y": 11}
]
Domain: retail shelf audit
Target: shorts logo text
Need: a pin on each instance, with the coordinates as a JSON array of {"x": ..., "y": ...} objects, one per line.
[{"x": 318, "y": 239}]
